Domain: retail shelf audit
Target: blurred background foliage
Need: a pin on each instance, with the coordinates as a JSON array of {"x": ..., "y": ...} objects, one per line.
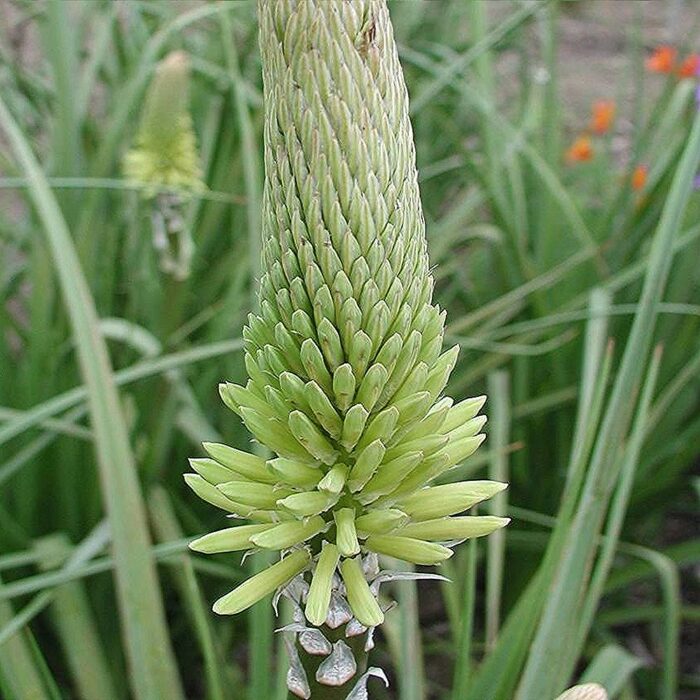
[{"x": 553, "y": 147}]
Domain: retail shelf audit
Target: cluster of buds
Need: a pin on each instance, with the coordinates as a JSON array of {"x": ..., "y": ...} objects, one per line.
[
  {"x": 345, "y": 362},
  {"x": 165, "y": 162}
]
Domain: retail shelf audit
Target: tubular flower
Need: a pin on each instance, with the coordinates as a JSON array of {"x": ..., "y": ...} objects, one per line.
[
  {"x": 690, "y": 66},
  {"x": 345, "y": 361},
  {"x": 639, "y": 177},
  {"x": 580, "y": 150},
  {"x": 662, "y": 60},
  {"x": 602, "y": 116}
]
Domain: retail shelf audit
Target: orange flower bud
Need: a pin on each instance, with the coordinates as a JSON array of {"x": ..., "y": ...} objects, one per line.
[
  {"x": 602, "y": 116},
  {"x": 690, "y": 66},
  {"x": 663, "y": 60},
  {"x": 639, "y": 177},
  {"x": 580, "y": 150}
]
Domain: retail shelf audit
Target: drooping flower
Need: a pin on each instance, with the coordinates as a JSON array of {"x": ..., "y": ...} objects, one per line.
[
  {"x": 345, "y": 361},
  {"x": 662, "y": 60},
  {"x": 602, "y": 116},
  {"x": 639, "y": 177},
  {"x": 580, "y": 150},
  {"x": 690, "y": 66}
]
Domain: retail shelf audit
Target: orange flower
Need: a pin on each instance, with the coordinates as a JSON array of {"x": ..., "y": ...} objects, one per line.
[
  {"x": 602, "y": 116},
  {"x": 639, "y": 177},
  {"x": 580, "y": 150},
  {"x": 690, "y": 67},
  {"x": 663, "y": 60}
]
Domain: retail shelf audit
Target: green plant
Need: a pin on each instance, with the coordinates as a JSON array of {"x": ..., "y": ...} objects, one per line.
[
  {"x": 345, "y": 357},
  {"x": 538, "y": 262}
]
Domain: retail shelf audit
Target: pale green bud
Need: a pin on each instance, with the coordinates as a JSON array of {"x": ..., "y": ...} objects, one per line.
[
  {"x": 363, "y": 603},
  {"x": 315, "y": 366},
  {"x": 329, "y": 340},
  {"x": 334, "y": 481},
  {"x": 274, "y": 434},
  {"x": 323, "y": 410},
  {"x": 231, "y": 539},
  {"x": 372, "y": 386},
  {"x": 458, "y": 528},
  {"x": 209, "y": 493},
  {"x": 319, "y": 595},
  {"x": 308, "y": 503},
  {"x": 365, "y": 466},
  {"x": 294, "y": 473},
  {"x": 344, "y": 386},
  {"x": 360, "y": 353},
  {"x": 389, "y": 475},
  {"x": 256, "y": 495},
  {"x": 408, "y": 549},
  {"x": 468, "y": 429},
  {"x": 262, "y": 584},
  {"x": 380, "y": 427},
  {"x": 212, "y": 471},
  {"x": 379, "y": 522},
  {"x": 294, "y": 390},
  {"x": 250, "y": 466},
  {"x": 311, "y": 438},
  {"x": 448, "y": 499},
  {"x": 346, "y": 535},
  {"x": 353, "y": 426},
  {"x": 289, "y": 533},
  {"x": 462, "y": 412}
]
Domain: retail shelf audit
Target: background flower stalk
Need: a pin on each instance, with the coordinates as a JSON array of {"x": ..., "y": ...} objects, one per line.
[
  {"x": 165, "y": 160},
  {"x": 345, "y": 360}
]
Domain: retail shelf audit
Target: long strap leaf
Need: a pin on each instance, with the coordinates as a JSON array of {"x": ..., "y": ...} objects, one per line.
[{"x": 145, "y": 633}]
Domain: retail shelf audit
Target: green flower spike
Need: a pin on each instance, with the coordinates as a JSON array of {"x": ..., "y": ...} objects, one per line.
[
  {"x": 165, "y": 160},
  {"x": 345, "y": 361}
]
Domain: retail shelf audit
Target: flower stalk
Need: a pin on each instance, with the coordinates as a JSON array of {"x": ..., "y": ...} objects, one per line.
[{"x": 345, "y": 360}]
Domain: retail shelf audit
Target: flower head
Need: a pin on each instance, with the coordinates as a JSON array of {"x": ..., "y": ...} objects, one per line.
[
  {"x": 345, "y": 361},
  {"x": 602, "y": 116},
  {"x": 662, "y": 60},
  {"x": 580, "y": 150},
  {"x": 690, "y": 66},
  {"x": 165, "y": 152},
  {"x": 639, "y": 177}
]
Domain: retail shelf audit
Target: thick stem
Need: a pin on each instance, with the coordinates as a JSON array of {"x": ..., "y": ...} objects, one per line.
[{"x": 311, "y": 662}]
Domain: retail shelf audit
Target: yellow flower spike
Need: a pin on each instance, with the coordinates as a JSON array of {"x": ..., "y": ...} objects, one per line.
[{"x": 262, "y": 584}]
